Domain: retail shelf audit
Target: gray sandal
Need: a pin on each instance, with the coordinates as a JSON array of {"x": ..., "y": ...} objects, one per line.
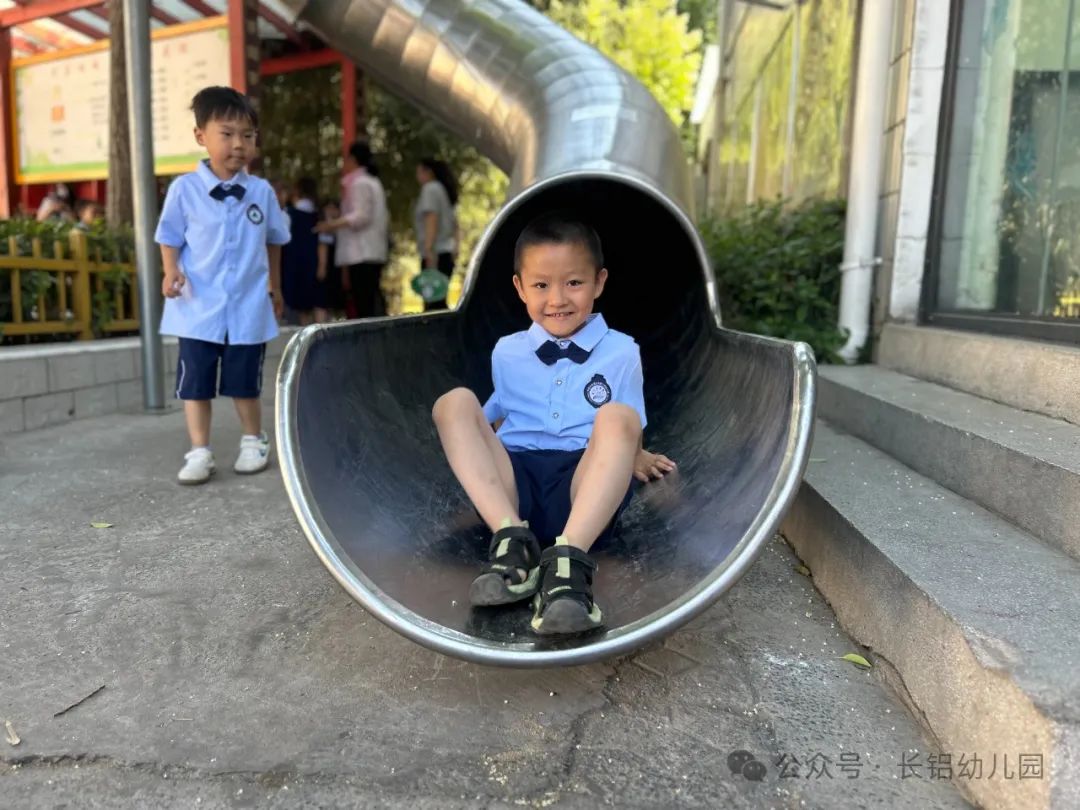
[
  {"x": 513, "y": 549},
  {"x": 564, "y": 603}
]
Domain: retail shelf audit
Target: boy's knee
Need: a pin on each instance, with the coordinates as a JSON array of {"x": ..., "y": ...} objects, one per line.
[
  {"x": 453, "y": 402},
  {"x": 619, "y": 418}
]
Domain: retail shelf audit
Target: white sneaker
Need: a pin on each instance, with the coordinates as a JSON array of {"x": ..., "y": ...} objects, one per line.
[
  {"x": 198, "y": 466},
  {"x": 254, "y": 454}
]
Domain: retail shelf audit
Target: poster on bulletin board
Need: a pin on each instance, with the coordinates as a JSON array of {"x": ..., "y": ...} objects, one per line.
[{"x": 61, "y": 103}]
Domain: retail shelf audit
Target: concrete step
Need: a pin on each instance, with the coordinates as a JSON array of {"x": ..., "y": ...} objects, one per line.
[
  {"x": 975, "y": 620},
  {"x": 1027, "y": 374},
  {"x": 1024, "y": 466}
]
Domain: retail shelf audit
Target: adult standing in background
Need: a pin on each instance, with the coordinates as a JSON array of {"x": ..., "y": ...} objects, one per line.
[
  {"x": 362, "y": 230},
  {"x": 56, "y": 205},
  {"x": 436, "y": 220}
]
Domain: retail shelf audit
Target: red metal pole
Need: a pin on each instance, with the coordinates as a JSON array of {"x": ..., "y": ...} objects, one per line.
[
  {"x": 202, "y": 8},
  {"x": 348, "y": 103},
  {"x": 282, "y": 25},
  {"x": 299, "y": 61},
  {"x": 73, "y": 23},
  {"x": 7, "y": 158},
  {"x": 43, "y": 8},
  {"x": 242, "y": 32}
]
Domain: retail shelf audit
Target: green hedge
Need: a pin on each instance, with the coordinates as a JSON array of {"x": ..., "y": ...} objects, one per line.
[
  {"x": 778, "y": 271},
  {"x": 115, "y": 245}
]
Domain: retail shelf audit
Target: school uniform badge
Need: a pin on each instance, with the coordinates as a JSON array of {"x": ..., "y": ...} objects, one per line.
[
  {"x": 597, "y": 391},
  {"x": 254, "y": 214}
]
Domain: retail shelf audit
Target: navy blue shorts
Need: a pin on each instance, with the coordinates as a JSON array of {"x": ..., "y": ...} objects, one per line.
[
  {"x": 543, "y": 479},
  {"x": 197, "y": 369}
]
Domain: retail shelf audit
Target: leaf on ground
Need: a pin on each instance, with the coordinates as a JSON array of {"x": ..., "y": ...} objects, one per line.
[
  {"x": 857, "y": 660},
  {"x": 101, "y": 525},
  {"x": 802, "y": 569},
  {"x": 12, "y": 737}
]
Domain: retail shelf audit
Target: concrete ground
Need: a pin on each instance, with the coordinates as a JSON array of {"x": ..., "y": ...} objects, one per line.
[{"x": 225, "y": 668}]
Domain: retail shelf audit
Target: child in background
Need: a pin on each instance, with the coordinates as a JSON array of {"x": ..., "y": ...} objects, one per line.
[
  {"x": 300, "y": 258},
  {"x": 87, "y": 213},
  {"x": 220, "y": 234}
]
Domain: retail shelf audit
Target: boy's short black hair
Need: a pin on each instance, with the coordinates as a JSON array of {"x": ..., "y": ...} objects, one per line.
[
  {"x": 559, "y": 228},
  {"x": 362, "y": 154},
  {"x": 307, "y": 188},
  {"x": 222, "y": 104}
]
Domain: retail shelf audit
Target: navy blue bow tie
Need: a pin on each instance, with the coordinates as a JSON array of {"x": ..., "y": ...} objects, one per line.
[
  {"x": 220, "y": 192},
  {"x": 549, "y": 352}
]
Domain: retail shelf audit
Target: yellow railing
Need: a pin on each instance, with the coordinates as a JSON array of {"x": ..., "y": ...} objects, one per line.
[
  {"x": 1068, "y": 303},
  {"x": 73, "y": 291}
]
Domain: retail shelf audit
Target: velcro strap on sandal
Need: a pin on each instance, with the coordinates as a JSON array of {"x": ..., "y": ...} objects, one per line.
[
  {"x": 513, "y": 548},
  {"x": 521, "y": 533},
  {"x": 571, "y": 552},
  {"x": 563, "y": 556},
  {"x": 569, "y": 573}
]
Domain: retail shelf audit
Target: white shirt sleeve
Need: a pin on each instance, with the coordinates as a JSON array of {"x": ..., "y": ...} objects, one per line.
[
  {"x": 362, "y": 205},
  {"x": 172, "y": 227},
  {"x": 429, "y": 199},
  {"x": 277, "y": 221},
  {"x": 493, "y": 409},
  {"x": 631, "y": 387}
]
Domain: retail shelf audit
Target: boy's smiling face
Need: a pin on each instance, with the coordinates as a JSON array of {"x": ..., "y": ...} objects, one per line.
[
  {"x": 559, "y": 283},
  {"x": 230, "y": 144}
]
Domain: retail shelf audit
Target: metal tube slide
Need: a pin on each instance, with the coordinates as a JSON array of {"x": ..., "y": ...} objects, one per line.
[{"x": 360, "y": 457}]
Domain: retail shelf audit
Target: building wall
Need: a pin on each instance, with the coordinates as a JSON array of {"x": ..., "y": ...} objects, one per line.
[
  {"x": 749, "y": 151},
  {"x": 920, "y": 37},
  {"x": 892, "y": 164}
]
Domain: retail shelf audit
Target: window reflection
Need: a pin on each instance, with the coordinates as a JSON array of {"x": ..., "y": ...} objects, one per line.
[{"x": 1010, "y": 236}]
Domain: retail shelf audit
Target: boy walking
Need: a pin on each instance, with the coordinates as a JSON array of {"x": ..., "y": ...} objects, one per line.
[
  {"x": 569, "y": 409},
  {"x": 221, "y": 232}
]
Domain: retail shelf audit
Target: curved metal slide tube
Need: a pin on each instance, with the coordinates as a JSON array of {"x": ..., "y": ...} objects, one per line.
[{"x": 359, "y": 454}]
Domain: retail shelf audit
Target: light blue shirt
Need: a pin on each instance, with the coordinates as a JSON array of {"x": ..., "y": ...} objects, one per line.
[
  {"x": 223, "y": 254},
  {"x": 553, "y": 407}
]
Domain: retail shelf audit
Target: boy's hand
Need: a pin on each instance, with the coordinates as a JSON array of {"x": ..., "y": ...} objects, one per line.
[
  {"x": 649, "y": 466},
  {"x": 279, "y": 303},
  {"x": 172, "y": 284}
]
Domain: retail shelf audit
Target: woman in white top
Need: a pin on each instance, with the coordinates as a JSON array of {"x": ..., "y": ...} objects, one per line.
[{"x": 362, "y": 230}]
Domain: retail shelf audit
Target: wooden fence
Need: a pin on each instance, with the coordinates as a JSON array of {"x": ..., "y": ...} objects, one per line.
[
  {"x": 65, "y": 288},
  {"x": 1068, "y": 304}
]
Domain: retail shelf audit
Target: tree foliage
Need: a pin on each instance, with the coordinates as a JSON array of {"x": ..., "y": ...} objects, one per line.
[
  {"x": 402, "y": 135},
  {"x": 301, "y": 115},
  {"x": 648, "y": 38},
  {"x": 701, "y": 16},
  {"x": 301, "y": 128}
]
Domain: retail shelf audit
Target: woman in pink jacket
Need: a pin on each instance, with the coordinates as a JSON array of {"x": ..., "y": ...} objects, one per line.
[{"x": 362, "y": 230}]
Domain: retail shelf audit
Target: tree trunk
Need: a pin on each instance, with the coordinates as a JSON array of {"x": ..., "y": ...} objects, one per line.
[{"x": 118, "y": 207}]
